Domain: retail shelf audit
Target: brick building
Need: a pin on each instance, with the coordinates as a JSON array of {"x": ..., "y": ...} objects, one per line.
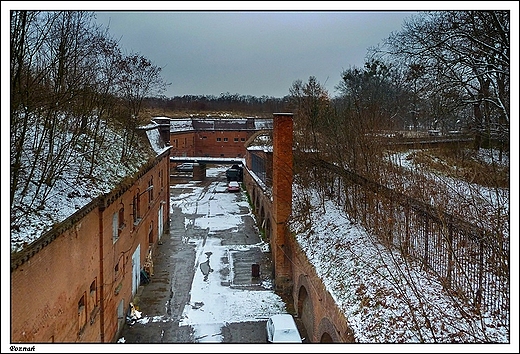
[
  {"x": 211, "y": 136},
  {"x": 75, "y": 282}
]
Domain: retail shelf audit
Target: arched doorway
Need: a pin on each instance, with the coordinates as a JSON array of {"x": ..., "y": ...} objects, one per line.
[
  {"x": 329, "y": 334},
  {"x": 326, "y": 338},
  {"x": 305, "y": 310}
]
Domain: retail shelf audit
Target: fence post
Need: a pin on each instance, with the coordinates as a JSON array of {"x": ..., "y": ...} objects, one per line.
[
  {"x": 450, "y": 256},
  {"x": 426, "y": 239},
  {"x": 478, "y": 294}
]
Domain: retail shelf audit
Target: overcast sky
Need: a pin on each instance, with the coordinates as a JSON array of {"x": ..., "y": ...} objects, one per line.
[
  {"x": 251, "y": 48},
  {"x": 247, "y": 52}
]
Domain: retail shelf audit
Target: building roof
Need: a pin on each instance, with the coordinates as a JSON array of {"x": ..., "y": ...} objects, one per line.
[{"x": 215, "y": 123}]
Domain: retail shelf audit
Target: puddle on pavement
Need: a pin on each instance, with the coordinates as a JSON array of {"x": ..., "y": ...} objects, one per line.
[{"x": 205, "y": 268}]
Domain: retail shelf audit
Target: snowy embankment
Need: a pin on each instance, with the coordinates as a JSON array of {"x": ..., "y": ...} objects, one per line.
[{"x": 384, "y": 299}]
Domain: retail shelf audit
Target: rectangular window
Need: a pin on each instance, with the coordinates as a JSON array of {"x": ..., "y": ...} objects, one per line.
[
  {"x": 115, "y": 227},
  {"x": 92, "y": 304},
  {"x": 161, "y": 178},
  {"x": 81, "y": 304},
  {"x": 93, "y": 289},
  {"x": 121, "y": 219},
  {"x": 150, "y": 190},
  {"x": 236, "y": 140},
  {"x": 116, "y": 270},
  {"x": 225, "y": 139},
  {"x": 82, "y": 314},
  {"x": 219, "y": 139},
  {"x": 136, "y": 208},
  {"x": 242, "y": 139}
]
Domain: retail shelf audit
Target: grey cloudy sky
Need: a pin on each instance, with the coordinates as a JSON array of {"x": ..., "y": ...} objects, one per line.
[{"x": 250, "y": 52}]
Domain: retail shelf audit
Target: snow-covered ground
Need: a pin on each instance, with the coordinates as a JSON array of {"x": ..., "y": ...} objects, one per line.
[
  {"x": 388, "y": 301},
  {"x": 373, "y": 287},
  {"x": 485, "y": 203},
  {"x": 72, "y": 189},
  {"x": 220, "y": 304},
  {"x": 358, "y": 273}
]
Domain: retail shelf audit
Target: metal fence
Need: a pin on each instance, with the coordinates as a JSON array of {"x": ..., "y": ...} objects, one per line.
[{"x": 469, "y": 262}]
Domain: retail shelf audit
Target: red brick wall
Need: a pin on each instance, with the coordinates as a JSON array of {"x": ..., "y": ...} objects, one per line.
[
  {"x": 183, "y": 144},
  {"x": 47, "y": 287},
  {"x": 294, "y": 274},
  {"x": 119, "y": 285},
  {"x": 326, "y": 317},
  {"x": 261, "y": 201},
  {"x": 207, "y": 143},
  {"x": 319, "y": 312},
  {"x": 45, "y": 290},
  {"x": 282, "y": 197}
]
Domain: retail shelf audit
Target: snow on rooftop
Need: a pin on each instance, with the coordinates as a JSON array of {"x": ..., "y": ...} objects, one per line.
[
  {"x": 264, "y": 123},
  {"x": 221, "y": 122},
  {"x": 157, "y": 143},
  {"x": 181, "y": 125}
]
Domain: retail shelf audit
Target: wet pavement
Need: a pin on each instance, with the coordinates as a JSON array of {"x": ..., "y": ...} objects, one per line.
[{"x": 203, "y": 288}]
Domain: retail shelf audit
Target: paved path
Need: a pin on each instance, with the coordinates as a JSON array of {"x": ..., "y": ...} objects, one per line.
[{"x": 163, "y": 300}]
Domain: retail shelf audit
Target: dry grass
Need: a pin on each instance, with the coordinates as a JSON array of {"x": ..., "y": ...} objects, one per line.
[{"x": 465, "y": 165}]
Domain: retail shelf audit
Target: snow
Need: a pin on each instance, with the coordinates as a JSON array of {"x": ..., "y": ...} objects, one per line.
[
  {"x": 220, "y": 305},
  {"x": 155, "y": 139},
  {"x": 372, "y": 285},
  {"x": 356, "y": 271},
  {"x": 186, "y": 124},
  {"x": 180, "y": 125},
  {"x": 266, "y": 123},
  {"x": 213, "y": 305},
  {"x": 261, "y": 143},
  {"x": 72, "y": 190},
  {"x": 489, "y": 200},
  {"x": 380, "y": 307}
]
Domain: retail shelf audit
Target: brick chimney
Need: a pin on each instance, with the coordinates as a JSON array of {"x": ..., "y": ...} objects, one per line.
[{"x": 282, "y": 198}]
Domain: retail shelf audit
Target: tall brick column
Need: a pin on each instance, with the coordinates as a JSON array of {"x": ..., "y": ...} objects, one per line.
[{"x": 282, "y": 198}]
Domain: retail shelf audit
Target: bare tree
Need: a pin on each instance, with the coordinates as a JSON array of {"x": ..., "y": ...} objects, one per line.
[
  {"x": 311, "y": 102},
  {"x": 465, "y": 57},
  {"x": 365, "y": 111},
  {"x": 138, "y": 79},
  {"x": 451, "y": 222},
  {"x": 29, "y": 31},
  {"x": 65, "y": 90}
]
